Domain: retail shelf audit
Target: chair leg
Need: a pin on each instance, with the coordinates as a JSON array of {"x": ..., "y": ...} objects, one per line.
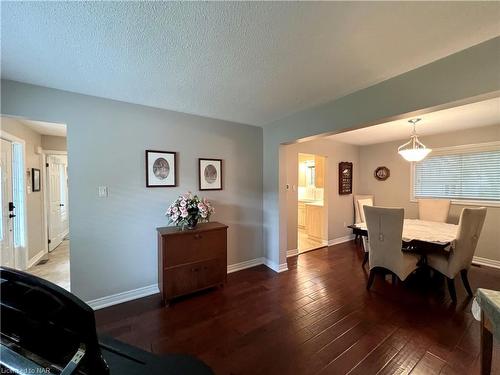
[
  {"x": 370, "y": 279},
  {"x": 465, "y": 280},
  {"x": 451, "y": 289},
  {"x": 365, "y": 259}
]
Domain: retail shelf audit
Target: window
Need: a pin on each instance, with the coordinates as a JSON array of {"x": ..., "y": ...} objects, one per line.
[
  {"x": 18, "y": 194},
  {"x": 462, "y": 173}
]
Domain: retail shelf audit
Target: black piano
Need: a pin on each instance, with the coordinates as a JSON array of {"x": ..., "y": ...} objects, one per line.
[{"x": 47, "y": 330}]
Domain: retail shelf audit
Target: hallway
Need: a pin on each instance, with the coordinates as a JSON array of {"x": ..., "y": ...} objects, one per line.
[{"x": 55, "y": 267}]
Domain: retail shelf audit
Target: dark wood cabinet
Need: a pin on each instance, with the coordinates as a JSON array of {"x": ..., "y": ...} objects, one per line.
[{"x": 191, "y": 260}]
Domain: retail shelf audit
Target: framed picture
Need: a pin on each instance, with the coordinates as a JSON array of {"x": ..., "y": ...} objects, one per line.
[
  {"x": 35, "y": 179},
  {"x": 382, "y": 173},
  {"x": 345, "y": 178},
  {"x": 210, "y": 174},
  {"x": 161, "y": 168}
]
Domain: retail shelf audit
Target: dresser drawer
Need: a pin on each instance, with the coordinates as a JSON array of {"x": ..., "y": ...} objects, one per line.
[
  {"x": 191, "y": 277},
  {"x": 188, "y": 248}
]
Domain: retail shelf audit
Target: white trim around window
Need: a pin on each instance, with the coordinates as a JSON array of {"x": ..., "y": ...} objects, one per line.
[{"x": 461, "y": 149}]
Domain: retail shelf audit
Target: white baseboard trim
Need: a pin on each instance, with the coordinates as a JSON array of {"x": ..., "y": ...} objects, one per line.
[
  {"x": 486, "y": 262},
  {"x": 292, "y": 253},
  {"x": 129, "y": 295},
  {"x": 36, "y": 258},
  {"x": 336, "y": 241},
  {"x": 275, "y": 266},
  {"x": 246, "y": 264}
]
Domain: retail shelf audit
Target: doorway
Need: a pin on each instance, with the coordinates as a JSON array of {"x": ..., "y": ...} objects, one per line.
[
  {"x": 34, "y": 227},
  {"x": 57, "y": 199},
  {"x": 311, "y": 210}
]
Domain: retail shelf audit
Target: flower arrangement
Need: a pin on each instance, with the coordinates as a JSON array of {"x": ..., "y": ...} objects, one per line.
[{"x": 188, "y": 209}]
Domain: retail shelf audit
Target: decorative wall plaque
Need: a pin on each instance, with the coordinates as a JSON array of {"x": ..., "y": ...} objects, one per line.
[
  {"x": 382, "y": 173},
  {"x": 345, "y": 178}
]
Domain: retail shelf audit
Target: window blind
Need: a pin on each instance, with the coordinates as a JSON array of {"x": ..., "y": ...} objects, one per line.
[{"x": 464, "y": 174}]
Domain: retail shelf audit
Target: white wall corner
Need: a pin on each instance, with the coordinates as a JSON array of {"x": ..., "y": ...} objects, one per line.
[
  {"x": 292, "y": 253},
  {"x": 246, "y": 264},
  {"x": 486, "y": 262},
  {"x": 129, "y": 295},
  {"x": 275, "y": 266},
  {"x": 336, "y": 241}
]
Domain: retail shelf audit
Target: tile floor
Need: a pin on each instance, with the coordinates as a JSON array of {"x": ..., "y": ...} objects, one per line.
[
  {"x": 56, "y": 269},
  {"x": 305, "y": 244}
]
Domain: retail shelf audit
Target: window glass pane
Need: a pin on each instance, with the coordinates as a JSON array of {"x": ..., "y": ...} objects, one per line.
[
  {"x": 18, "y": 194},
  {"x": 464, "y": 175}
]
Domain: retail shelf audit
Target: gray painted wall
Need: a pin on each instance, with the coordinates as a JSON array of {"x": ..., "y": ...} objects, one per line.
[
  {"x": 113, "y": 240},
  {"x": 461, "y": 76},
  {"x": 53, "y": 143},
  {"x": 395, "y": 192}
]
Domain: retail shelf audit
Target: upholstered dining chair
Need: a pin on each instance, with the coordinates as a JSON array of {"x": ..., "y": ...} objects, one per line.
[
  {"x": 385, "y": 234},
  {"x": 460, "y": 258},
  {"x": 359, "y": 202},
  {"x": 434, "y": 209}
]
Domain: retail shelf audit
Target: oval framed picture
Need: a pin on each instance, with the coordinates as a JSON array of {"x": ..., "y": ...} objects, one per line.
[
  {"x": 382, "y": 173},
  {"x": 210, "y": 174}
]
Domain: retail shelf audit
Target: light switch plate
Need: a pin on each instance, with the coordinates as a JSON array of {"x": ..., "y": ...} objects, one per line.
[{"x": 102, "y": 191}]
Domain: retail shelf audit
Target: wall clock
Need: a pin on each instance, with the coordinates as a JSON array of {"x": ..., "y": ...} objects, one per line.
[{"x": 382, "y": 173}]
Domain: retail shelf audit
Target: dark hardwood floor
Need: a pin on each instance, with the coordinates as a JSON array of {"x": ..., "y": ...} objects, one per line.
[{"x": 316, "y": 318}]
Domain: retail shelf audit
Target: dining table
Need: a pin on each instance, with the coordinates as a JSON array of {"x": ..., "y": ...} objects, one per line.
[{"x": 420, "y": 236}]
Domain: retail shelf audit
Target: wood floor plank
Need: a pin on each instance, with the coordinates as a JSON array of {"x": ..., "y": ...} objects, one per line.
[{"x": 316, "y": 318}]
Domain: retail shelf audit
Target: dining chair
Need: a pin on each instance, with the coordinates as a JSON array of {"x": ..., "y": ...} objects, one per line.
[
  {"x": 361, "y": 200},
  {"x": 434, "y": 209},
  {"x": 385, "y": 235},
  {"x": 460, "y": 258}
]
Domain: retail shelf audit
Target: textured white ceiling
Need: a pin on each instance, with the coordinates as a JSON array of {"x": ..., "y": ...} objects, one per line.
[
  {"x": 249, "y": 62},
  {"x": 468, "y": 116}
]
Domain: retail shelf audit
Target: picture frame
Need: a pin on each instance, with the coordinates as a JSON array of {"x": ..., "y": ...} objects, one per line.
[
  {"x": 345, "y": 178},
  {"x": 382, "y": 173},
  {"x": 161, "y": 168},
  {"x": 35, "y": 179},
  {"x": 210, "y": 174}
]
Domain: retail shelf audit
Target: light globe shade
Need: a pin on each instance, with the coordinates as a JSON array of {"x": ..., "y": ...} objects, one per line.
[
  {"x": 414, "y": 154},
  {"x": 414, "y": 150}
]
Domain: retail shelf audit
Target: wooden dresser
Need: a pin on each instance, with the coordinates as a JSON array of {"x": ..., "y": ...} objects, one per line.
[{"x": 191, "y": 260}]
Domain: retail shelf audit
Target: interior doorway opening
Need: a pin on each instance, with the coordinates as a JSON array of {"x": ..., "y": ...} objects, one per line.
[
  {"x": 311, "y": 207},
  {"x": 35, "y": 203}
]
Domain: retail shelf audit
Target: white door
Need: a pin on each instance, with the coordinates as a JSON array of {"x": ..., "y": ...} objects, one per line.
[
  {"x": 7, "y": 224},
  {"x": 58, "y": 199}
]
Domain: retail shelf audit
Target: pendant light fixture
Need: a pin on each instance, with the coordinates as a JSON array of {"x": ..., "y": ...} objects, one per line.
[{"x": 414, "y": 150}]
